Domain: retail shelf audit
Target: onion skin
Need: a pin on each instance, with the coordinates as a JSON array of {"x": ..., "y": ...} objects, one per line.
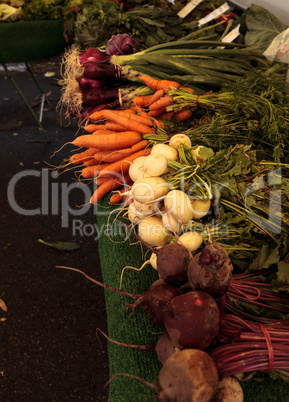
[
  {"x": 88, "y": 83},
  {"x": 96, "y": 96},
  {"x": 98, "y": 70},
  {"x": 92, "y": 54},
  {"x": 211, "y": 270}
]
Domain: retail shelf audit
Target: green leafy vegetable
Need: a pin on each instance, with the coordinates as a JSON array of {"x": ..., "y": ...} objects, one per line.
[
  {"x": 260, "y": 27},
  {"x": 265, "y": 258},
  {"x": 254, "y": 110},
  {"x": 43, "y": 10}
]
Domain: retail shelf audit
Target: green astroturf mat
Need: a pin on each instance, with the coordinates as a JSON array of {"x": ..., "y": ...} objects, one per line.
[
  {"x": 25, "y": 41},
  {"x": 116, "y": 253}
]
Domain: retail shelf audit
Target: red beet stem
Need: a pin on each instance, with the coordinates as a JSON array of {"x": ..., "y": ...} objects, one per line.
[
  {"x": 120, "y": 292},
  {"x": 256, "y": 347}
]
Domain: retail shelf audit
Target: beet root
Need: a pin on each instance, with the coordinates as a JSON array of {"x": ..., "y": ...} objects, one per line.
[
  {"x": 188, "y": 375},
  {"x": 172, "y": 263},
  {"x": 229, "y": 390},
  {"x": 211, "y": 270},
  {"x": 164, "y": 348},
  {"x": 155, "y": 301},
  {"x": 192, "y": 320}
]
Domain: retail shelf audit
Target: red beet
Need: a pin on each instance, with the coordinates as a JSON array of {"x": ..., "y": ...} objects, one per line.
[
  {"x": 164, "y": 348},
  {"x": 172, "y": 263},
  {"x": 192, "y": 320},
  {"x": 155, "y": 301},
  {"x": 188, "y": 375},
  {"x": 211, "y": 270}
]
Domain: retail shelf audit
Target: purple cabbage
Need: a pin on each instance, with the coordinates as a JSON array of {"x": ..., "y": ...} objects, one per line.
[{"x": 122, "y": 44}]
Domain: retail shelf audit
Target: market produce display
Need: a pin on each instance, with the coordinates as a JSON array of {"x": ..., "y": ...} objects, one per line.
[{"x": 185, "y": 145}]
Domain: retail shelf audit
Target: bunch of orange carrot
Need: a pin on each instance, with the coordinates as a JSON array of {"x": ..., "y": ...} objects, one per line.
[
  {"x": 156, "y": 104},
  {"x": 113, "y": 141},
  {"x": 115, "y": 138}
]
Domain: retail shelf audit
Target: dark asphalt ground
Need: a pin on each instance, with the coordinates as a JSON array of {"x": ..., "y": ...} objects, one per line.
[{"x": 49, "y": 350}]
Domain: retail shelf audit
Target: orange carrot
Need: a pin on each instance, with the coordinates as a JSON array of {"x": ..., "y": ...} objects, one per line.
[
  {"x": 112, "y": 126},
  {"x": 122, "y": 166},
  {"x": 188, "y": 89},
  {"x": 93, "y": 171},
  {"x": 142, "y": 100},
  {"x": 144, "y": 114},
  {"x": 184, "y": 114},
  {"x": 96, "y": 115},
  {"x": 159, "y": 84},
  {"x": 166, "y": 116},
  {"x": 157, "y": 112},
  {"x": 156, "y": 96},
  {"x": 142, "y": 118},
  {"x": 113, "y": 156},
  {"x": 106, "y": 187},
  {"x": 158, "y": 123},
  {"x": 90, "y": 162},
  {"x": 100, "y": 180},
  {"x": 120, "y": 195},
  {"x": 129, "y": 122},
  {"x": 125, "y": 111},
  {"x": 90, "y": 128},
  {"x": 98, "y": 132},
  {"x": 118, "y": 140},
  {"x": 83, "y": 156},
  {"x": 162, "y": 102}
]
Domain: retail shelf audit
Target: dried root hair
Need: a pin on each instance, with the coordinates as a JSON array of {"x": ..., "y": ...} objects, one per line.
[{"x": 71, "y": 69}]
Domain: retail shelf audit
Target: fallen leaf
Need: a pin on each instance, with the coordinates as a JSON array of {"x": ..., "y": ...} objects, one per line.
[
  {"x": 60, "y": 83},
  {"x": 61, "y": 245},
  {"x": 2, "y": 319},
  {"x": 49, "y": 74},
  {"x": 3, "y": 305}
]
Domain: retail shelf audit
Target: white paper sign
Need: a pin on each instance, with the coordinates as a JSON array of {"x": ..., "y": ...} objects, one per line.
[
  {"x": 278, "y": 50},
  {"x": 188, "y": 8},
  {"x": 232, "y": 35},
  {"x": 214, "y": 14}
]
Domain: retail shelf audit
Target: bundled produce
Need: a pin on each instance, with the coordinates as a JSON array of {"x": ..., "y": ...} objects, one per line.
[
  {"x": 214, "y": 218},
  {"x": 149, "y": 24},
  {"x": 254, "y": 110},
  {"x": 198, "y": 63},
  {"x": 254, "y": 347},
  {"x": 197, "y": 328}
]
